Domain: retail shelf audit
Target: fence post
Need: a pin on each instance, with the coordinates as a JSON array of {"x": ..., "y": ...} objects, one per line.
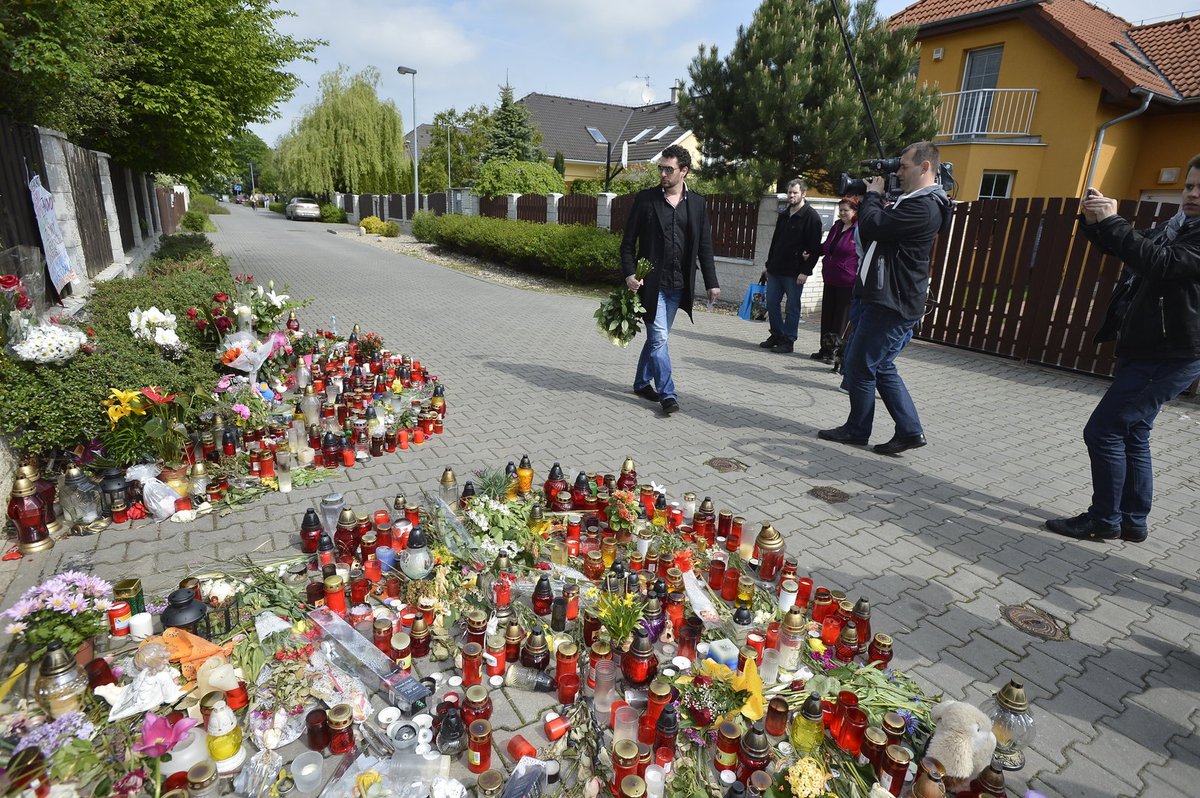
[
  {"x": 57, "y": 180},
  {"x": 110, "y": 207},
  {"x": 470, "y": 203},
  {"x": 604, "y": 210},
  {"x": 552, "y": 207},
  {"x": 768, "y": 214},
  {"x": 512, "y": 206}
]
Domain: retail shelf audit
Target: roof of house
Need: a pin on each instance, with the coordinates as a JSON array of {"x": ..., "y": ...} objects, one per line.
[
  {"x": 564, "y": 122},
  {"x": 1158, "y": 57}
]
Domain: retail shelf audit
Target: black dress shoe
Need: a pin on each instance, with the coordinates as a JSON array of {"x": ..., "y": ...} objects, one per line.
[
  {"x": 646, "y": 392},
  {"x": 670, "y": 406},
  {"x": 784, "y": 348},
  {"x": 1133, "y": 534},
  {"x": 1083, "y": 527},
  {"x": 770, "y": 342},
  {"x": 822, "y": 355},
  {"x": 839, "y": 435},
  {"x": 900, "y": 443}
]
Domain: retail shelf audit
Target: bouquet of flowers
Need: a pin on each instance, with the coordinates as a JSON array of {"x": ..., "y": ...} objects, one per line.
[
  {"x": 158, "y": 327},
  {"x": 619, "y": 318},
  {"x": 70, "y": 607},
  {"x": 49, "y": 343},
  {"x": 14, "y": 304}
]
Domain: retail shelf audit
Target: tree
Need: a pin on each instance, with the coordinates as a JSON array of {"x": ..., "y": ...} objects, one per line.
[
  {"x": 513, "y": 137},
  {"x": 560, "y": 162},
  {"x": 783, "y": 102},
  {"x": 468, "y": 134},
  {"x": 246, "y": 149},
  {"x": 160, "y": 86},
  {"x": 349, "y": 140},
  {"x": 518, "y": 177}
]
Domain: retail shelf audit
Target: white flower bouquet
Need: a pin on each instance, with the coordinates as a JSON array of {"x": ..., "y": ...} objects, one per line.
[
  {"x": 49, "y": 343},
  {"x": 159, "y": 328}
]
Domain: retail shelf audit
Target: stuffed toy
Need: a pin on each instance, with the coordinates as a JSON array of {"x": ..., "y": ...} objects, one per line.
[{"x": 962, "y": 739}]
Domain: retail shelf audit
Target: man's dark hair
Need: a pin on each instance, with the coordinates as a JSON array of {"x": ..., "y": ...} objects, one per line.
[
  {"x": 797, "y": 181},
  {"x": 680, "y": 154},
  {"x": 925, "y": 151},
  {"x": 1194, "y": 163}
]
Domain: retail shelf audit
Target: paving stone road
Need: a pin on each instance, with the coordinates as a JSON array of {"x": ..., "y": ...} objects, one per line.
[{"x": 939, "y": 538}]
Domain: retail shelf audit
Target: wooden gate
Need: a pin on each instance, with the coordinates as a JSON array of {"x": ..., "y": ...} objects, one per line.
[
  {"x": 531, "y": 208},
  {"x": 1015, "y": 278},
  {"x": 577, "y": 209},
  {"x": 84, "y": 172},
  {"x": 436, "y": 203},
  {"x": 495, "y": 207}
]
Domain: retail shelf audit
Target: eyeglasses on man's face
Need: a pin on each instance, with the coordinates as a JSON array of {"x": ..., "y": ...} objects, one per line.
[{"x": 668, "y": 170}]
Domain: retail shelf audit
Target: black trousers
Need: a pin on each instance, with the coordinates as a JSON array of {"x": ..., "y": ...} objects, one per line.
[{"x": 835, "y": 310}]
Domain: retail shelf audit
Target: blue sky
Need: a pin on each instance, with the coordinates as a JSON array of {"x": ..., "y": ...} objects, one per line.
[{"x": 591, "y": 49}]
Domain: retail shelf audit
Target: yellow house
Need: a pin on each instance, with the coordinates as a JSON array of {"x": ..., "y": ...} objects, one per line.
[{"x": 1031, "y": 89}]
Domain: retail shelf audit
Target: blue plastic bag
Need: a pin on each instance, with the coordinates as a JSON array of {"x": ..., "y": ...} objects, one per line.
[{"x": 745, "y": 311}]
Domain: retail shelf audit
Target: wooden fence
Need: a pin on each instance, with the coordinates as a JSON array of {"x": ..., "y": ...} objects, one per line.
[
  {"x": 436, "y": 203},
  {"x": 577, "y": 209},
  {"x": 170, "y": 209},
  {"x": 619, "y": 212},
  {"x": 1015, "y": 278},
  {"x": 495, "y": 207},
  {"x": 20, "y": 159},
  {"x": 531, "y": 208},
  {"x": 734, "y": 225}
]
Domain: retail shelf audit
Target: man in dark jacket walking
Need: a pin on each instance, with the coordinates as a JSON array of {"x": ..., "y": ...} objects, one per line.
[
  {"x": 1155, "y": 317},
  {"x": 893, "y": 283},
  {"x": 795, "y": 248},
  {"x": 667, "y": 226}
]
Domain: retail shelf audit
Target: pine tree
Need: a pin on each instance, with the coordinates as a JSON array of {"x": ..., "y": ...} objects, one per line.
[
  {"x": 783, "y": 103},
  {"x": 513, "y": 137},
  {"x": 560, "y": 163}
]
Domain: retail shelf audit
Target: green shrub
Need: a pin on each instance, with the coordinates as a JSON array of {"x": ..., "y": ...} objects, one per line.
[
  {"x": 45, "y": 408},
  {"x": 197, "y": 222},
  {"x": 332, "y": 214},
  {"x": 389, "y": 229},
  {"x": 206, "y": 204},
  {"x": 425, "y": 226},
  {"x": 277, "y": 207},
  {"x": 183, "y": 246},
  {"x": 576, "y": 252},
  {"x": 518, "y": 177},
  {"x": 370, "y": 223}
]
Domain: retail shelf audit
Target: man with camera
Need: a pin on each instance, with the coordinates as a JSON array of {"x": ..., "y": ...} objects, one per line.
[
  {"x": 795, "y": 249},
  {"x": 1154, "y": 315},
  {"x": 892, "y": 285}
]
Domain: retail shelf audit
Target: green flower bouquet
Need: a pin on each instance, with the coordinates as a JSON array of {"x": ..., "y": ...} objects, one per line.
[{"x": 619, "y": 318}]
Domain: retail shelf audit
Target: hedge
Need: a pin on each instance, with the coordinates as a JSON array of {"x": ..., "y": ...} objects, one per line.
[
  {"x": 44, "y": 408},
  {"x": 332, "y": 214},
  {"x": 577, "y": 252}
]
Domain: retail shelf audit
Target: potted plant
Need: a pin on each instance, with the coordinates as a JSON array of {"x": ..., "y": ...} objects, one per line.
[
  {"x": 71, "y": 607},
  {"x": 146, "y": 422}
]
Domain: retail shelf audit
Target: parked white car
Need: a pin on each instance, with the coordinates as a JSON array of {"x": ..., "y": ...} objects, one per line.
[{"x": 302, "y": 208}]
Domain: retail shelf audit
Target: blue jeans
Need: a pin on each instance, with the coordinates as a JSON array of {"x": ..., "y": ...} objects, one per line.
[
  {"x": 777, "y": 288},
  {"x": 654, "y": 365},
  {"x": 1118, "y": 437},
  {"x": 879, "y": 335}
]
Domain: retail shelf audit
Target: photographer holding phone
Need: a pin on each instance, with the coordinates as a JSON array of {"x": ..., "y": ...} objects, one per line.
[
  {"x": 891, "y": 289},
  {"x": 1154, "y": 315}
]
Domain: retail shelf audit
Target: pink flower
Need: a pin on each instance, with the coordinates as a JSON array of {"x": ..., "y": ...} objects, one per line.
[
  {"x": 159, "y": 736},
  {"x": 224, "y": 383},
  {"x": 241, "y": 410}
]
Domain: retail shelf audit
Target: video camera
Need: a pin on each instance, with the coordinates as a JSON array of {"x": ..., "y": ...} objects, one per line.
[{"x": 888, "y": 167}]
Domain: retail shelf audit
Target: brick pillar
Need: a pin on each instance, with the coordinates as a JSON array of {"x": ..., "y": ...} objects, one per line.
[
  {"x": 512, "y": 205},
  {"x": 470, "y": 203},
  {"x": 604, "y": 210},
  {"x": 552, "y": 208}
]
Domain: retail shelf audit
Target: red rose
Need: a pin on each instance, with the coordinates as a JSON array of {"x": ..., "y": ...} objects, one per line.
[
  {"x": 223, "y": 323},
  {"x": 192, "y": 313},
  {"x": 221, "y": 297},
  {"x": 219, "y": 310},
  {"x": 9, "y": 282},
  {"x": 22, "y": 302},
  {"x": 201, "y": 324}
]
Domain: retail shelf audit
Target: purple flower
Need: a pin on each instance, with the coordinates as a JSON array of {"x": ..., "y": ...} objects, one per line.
[
  {"x": 49, "y": 737},
  {"x": 59, "y": 602},
  {"x": 159, "y": 735},
  {"x": 22, "y": 609},
  {"x": 241, "y": 410},
  {"x": 910, "y": 720},
  {"x": 76, "y": 604}
]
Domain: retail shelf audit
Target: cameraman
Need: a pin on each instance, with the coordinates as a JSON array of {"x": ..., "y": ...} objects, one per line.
[
  {"x": 892, "y": 285},
  {"x": 1154, "y": 315}
]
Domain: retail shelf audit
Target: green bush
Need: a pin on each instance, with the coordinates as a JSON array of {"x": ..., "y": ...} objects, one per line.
[
  {"x": 207, "y": 204},
  {"x": 371, "y": 224},
  {"x": 389, "y": 229},
  {"x": 277, "y": 207},
  {"x": 576, "y": 252},
  {"x": 183, "y": 246},
  {"x": 425, "y": 225},
  {"x": 197, "y": 222},
  {"x": 53, "y": 407},
  {"x": 332, "y": 214},
  {"x": 518, "y": 177}
]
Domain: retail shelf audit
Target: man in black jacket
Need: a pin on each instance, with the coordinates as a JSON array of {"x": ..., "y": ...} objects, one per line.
[
  {"x": 893, "y": 283},
  {"x": 795, "y": 248},
  {"x": 1155, "y": 317},
  {"x": 667, "y": 226}
]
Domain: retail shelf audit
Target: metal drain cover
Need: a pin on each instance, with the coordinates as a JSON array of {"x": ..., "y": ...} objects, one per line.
[
  {"x": 724, "y": 465},
  {"x": 1033, "y": 621},
  {"x": 829, "y": 494}
]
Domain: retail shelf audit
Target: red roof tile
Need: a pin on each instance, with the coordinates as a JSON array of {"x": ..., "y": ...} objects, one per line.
[
  {"x": 1104, "y": 36},
  {"x": 1172, "y": 46}
]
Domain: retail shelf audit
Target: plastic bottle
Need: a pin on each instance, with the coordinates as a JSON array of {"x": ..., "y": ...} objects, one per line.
[{"x": 333, "y": 324}]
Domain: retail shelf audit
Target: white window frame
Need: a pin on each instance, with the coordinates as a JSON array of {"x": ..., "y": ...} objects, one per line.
[{"x": 995, "y": 173}]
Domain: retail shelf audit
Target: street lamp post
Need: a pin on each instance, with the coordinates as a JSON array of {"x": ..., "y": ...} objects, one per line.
[
  {"x": 448, "y": 183},
  {"x": 403, "y": 70}
]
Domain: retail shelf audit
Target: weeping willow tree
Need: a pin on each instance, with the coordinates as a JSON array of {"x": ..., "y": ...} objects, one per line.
[{"x": 348, "y": 141}]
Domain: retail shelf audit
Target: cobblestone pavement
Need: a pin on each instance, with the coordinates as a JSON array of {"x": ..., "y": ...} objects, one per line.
[{"x": 939, "y": 539}]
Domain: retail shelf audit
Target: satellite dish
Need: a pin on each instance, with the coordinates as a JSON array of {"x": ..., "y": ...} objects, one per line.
[
  {"x": 625, "y": 154},
  {"x": 647, "y": 95}
]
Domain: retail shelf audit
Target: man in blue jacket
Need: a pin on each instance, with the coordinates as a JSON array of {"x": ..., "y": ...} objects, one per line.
[
  {"x": 1155, "y": 317},
  {"x": 667, "y": 226},
  {"x": 892, "y": 285}
]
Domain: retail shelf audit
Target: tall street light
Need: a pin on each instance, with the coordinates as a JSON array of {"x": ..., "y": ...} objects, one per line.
[{"x": 403, "y": 70}]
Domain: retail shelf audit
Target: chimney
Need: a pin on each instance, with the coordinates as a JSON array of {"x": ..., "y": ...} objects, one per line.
[{"x": 678, "y": 87}]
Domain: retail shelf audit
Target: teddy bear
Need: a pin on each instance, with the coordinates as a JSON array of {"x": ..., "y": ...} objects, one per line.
[{"x": 962, "y": 740}]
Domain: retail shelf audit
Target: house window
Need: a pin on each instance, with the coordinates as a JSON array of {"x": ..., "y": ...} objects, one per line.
[
  {"x": 639, "y": 136},
  {"x": 662, "y": 132},
  {"x": 996, "y": 185},
  {"x": 978, "y": 87}
]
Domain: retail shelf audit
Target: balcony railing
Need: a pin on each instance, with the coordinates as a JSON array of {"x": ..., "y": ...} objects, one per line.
[{"x": 986, "y": 113}]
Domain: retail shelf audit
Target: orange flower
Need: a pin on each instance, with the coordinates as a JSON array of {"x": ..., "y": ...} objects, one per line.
[{"x": 231, "y": 355}]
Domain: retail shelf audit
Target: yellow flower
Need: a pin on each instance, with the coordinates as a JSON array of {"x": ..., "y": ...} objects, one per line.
[
  {"x": 749, "y": 680},
  {"x": 807, "y": 778},
  {"x": 116, "y": 413},
  {"x": 124, "y": 397},
  {"x": 816, "y": 645}
]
